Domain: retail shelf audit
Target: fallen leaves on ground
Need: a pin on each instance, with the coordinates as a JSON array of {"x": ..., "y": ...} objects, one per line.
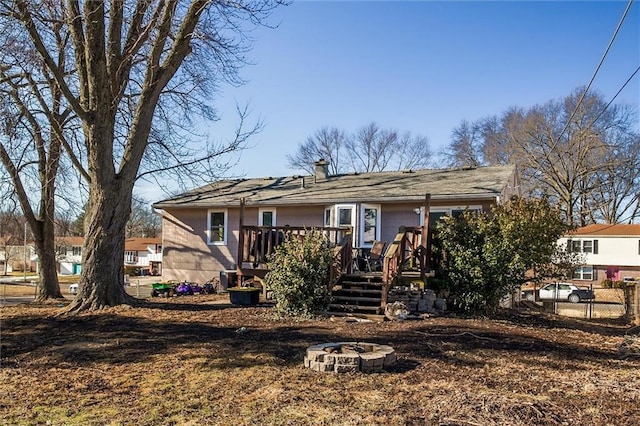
[{"x": 190, "y": 361}]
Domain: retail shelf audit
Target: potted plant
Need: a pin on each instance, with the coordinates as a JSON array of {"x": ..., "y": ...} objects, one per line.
[{"x": 244, "y": 295}]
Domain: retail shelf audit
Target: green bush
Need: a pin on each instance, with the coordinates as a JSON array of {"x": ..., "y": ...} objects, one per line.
[
  {"x": 485, "y": 257},
  {"x": 608, "y": 283},
  {"x": 299, "y": 275}
]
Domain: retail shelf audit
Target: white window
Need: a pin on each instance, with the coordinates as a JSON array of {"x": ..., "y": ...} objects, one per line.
[
  {"x": 217, "y": 227},
  {"x": 584, "y": 246},
  {"x": 369, "y": 224},
  {"x": 130, "y": 256},
  {"x": 346, "y": 215},
  {"x": 267, "y": 217},
  {"x": 341, "y": 215},
  {"x": 76, "y": 250},
  {"x": 583, "y": 273}
]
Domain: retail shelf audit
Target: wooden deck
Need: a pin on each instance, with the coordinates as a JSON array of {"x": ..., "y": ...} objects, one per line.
[{"x": 408, "y": 255}]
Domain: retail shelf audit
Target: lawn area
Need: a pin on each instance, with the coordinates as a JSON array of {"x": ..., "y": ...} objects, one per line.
[{"x": 188, "y": 361}]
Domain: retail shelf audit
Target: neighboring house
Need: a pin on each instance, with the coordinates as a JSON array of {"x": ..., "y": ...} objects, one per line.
[
  {"x": 69, "y": 255},
  {"x": 143, "y": 254},
  {"x": 610, "y": 252},
  {"x": 202, "y": 227},
  {"x": 12, "y": 257}
]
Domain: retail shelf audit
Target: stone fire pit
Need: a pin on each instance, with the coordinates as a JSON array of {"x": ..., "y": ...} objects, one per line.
[{"x": 348, "y": 357}]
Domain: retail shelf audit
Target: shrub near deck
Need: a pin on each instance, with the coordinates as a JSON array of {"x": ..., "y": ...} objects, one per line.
[{"x": 298, "y": 275}]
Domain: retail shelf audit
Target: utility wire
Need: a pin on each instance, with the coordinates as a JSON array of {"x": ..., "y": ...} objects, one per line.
[
  {"x": 615, "y": 96},
  {"x": 584, "y": 93},
  {"x": 595, "y": 73}
]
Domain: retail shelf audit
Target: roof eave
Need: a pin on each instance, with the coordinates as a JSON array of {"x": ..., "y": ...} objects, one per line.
[{"x": 324, "y": 201}]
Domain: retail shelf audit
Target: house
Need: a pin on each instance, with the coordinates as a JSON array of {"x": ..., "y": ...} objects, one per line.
[
  {"x": 208, "y": 231},
  {"x": 69, "y": 255},
  {"x": 14, "y": 257},
  {"x": 142, "y": 255},
  {"x": 611, "y": 251}
]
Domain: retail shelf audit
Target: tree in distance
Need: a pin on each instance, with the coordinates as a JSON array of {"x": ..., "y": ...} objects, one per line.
[
  {"x": 370, "y": 149},
  {"x": 580, "y": 152}
]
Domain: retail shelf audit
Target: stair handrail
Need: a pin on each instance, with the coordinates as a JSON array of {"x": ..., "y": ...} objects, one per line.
[
  {"x": 405, "y": 250},
  {"x": 342, "y": 260}
]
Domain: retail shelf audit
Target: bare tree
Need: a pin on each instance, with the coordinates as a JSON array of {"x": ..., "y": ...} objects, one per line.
[
  {"x": 584, "y": 157},
  {"x": 616, "y": 194},
  {"x": 10, "y": 237},
  {"x": 35, "y": 118},
  {"x": 326, "y": 143},
  {"x": 143, "y": 222},
  {"x": 411, "y": 152},
  {"x": 465, "y": 148},
  {"x": 370, "y": 149},
  {"x": 135, "y": 64}
]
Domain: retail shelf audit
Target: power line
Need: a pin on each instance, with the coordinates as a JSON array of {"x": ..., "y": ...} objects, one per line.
[
  {"x": 593, "y": 77},
  {"x": 584, "y": 93},
  {"x": 615, "y": 96}
]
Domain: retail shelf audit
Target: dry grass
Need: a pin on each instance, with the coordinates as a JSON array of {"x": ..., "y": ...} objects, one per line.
[
  {"x": 182, "y": 362},
  {"x": 17, "y": 290}
]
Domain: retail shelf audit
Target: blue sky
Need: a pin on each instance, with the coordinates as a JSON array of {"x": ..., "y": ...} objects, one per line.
[{"x": 420, "y": 66}]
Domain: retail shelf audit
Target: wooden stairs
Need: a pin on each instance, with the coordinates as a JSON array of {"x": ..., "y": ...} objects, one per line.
[{"x": 358, "y": 294}]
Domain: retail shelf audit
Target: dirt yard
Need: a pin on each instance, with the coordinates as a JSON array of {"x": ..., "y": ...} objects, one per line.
[{"x": 192, "y": 361}]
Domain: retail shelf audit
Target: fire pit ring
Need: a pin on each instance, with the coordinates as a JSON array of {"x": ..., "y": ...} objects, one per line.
[{"x": 349, "y": 357}]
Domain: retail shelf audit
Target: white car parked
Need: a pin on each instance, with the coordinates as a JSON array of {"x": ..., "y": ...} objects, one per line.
[{"x": 560, "y": 291}]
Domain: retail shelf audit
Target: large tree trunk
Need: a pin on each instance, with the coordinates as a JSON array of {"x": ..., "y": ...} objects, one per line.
[
  {"x": 125, "y": 56},
  {"x": 48, "y": 288},
  {"x": 102, "y": 277}
]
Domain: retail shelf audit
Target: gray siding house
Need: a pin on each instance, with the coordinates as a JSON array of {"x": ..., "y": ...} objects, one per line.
[{"x": 203, "y": 228}]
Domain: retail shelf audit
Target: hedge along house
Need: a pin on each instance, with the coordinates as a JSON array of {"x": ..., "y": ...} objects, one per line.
[{"x": 219, "y": 229}]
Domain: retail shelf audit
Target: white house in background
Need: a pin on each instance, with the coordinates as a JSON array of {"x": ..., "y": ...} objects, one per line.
[
  {"x": 69, "y": 255},
  {"x": 12, "y": 257},
  {"x": 611, "y": 251},
  {"x": 143, "y": 254}
]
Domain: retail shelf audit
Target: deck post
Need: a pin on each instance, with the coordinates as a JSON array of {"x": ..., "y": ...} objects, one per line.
[
  {"x": 240, "y": 243},
  {"x": 425, "y": 241}
]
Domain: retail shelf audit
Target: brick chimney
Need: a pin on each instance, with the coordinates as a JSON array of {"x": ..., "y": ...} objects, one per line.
[{"x": 321, "y": 170}]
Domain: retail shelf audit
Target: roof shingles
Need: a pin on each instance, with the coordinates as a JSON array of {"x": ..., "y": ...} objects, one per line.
[
  {"x": 609, "y": 230},
  {"x": 484, "y": 182}
]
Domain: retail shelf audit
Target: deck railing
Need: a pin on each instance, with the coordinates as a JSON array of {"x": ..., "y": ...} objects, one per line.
[
  {"x": 342, "y": 260},
  {"x": 256, "y": 243},
  {"x": 406, "y": 252}
]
